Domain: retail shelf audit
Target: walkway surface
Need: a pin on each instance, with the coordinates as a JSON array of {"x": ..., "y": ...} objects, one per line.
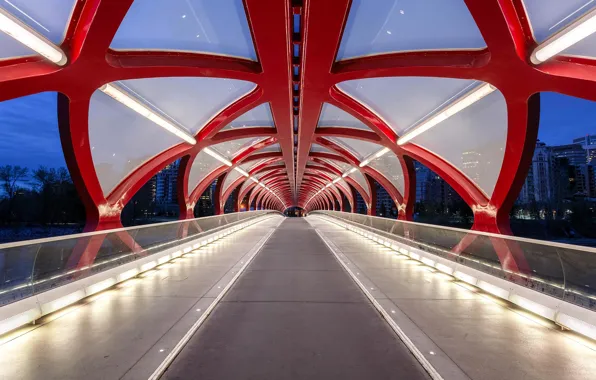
[
  {"x": 479, "y": 336},
  {"x": 295, "y": 314}
]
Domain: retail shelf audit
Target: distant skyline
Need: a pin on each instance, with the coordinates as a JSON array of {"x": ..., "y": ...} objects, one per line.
[{"x": 29, "y": 128}]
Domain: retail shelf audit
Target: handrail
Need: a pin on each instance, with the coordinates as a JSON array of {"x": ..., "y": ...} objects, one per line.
[
  {"x": 85, "y": 234},
  {"x": 474, "y": 232},
  {"x": 563, "y": 271}
]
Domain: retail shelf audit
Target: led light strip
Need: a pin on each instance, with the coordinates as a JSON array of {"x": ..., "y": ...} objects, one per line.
[
  {"x": 558, "y": 311},
  {"x": 217, "y": 156},
  {"x": 463, "y": 102},
  {"x": 373, "y": 157},
  {"x": 30, "y": 38},
  {"x": 129, "y": 101},
  {"x": 580, "y": 29}
]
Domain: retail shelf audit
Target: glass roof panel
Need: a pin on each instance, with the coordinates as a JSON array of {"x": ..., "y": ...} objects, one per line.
[
  {"x": 206, "y": 26},
  {"x": 320, "y": 149},
  {"x": 403, "y": 101},
  {"x": 342, "y": 184},
  {"x": 232, "y": 176},
  {"x": 343, "y": 166},
  {"x": 121, "y": 140},
  {"x": 229, "y": 149},
  {"x": 259, "y": 116},
  {"x": 359, "y": 178},
  {"x": 201, "y": 167},
  {"x": 190, "y": 101},
  {"x": 473, "y": 140},
  {"x": 385, "y": 26},
  {"x": 49, "y": 18},
  {"x": 547, "y": 17},
  {"x": 390, "y": 167},
  {"x": 271, "y": 148},
  {"x": 358, "y": 148},
  {"x": 332, "y": 116}
]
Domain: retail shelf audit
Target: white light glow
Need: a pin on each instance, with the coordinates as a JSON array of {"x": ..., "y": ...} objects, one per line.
[
  {"x": 121, "y": 96},
  {"x": 493, "y": 289},
  {"x": 253, "y": 179},
  {"x": 217, "y": 156},
  {"x": 18, "y": 320},
  {"x": 373, "y": 157},
  {"x": 465, "y": 278},
  {"x": 102, "y": 285},
  {"x": 580, "y": 29},
  {"x": 532, "y": 306},
  {"x": 241, "y": 171},
  {"x": 30, "y": 38},
  {"x": 463, "y": 102},
  {"x": 577, "y": 325}
]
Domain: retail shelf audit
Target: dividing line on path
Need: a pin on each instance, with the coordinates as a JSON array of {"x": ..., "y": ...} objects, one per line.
[
  {"x": 428, "y": 367},
  {"x": 180, "y": 345}
]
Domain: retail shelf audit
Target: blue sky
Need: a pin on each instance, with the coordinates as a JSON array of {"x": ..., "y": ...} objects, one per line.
[{"x": 29, "y": 131}]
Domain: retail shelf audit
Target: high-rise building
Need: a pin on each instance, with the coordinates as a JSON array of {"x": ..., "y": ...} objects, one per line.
[
  {"x": 166, "y": 182},
  {"x": 385, "y": 206},
  {"x": 588, "y": 142},
  {"x": 575, "y": 153}
]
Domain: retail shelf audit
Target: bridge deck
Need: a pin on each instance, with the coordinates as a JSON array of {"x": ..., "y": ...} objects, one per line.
[{"x": 295, "y": 314}]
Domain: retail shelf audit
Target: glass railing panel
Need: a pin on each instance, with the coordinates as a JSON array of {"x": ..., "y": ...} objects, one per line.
[
  {"x": 29, "y": 268},
  {"x": 562, "y": 271}
]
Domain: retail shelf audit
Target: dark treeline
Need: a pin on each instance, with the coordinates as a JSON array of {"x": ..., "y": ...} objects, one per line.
[{"x": 40, "y": 197}]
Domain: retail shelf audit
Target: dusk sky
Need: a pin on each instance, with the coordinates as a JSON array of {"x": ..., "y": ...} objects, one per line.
[{"x": 29, "y": 133}]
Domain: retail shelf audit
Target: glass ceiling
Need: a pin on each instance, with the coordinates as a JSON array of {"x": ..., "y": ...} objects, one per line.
[
  {"x": 386, "y": 26},
  {"x": 50, "y": 18},
  {"x": 332, "y": 116},
  {"x": 271, "y": 148},
  {"x": 547, "y": 17},
  {"x": 230, "y": 149},
  {"x": 473, "y": 140},
  {"x": 121, "y": 140},
  {"x": 359, "y": 148},
  {"x": 403, "y": 101},
  {"x": 201, "y": 167},
  {"x": 359, "y": 178},
  {"x": 320, "y": 149},
  {"x": 259, "y": 116},
  {"x": 205, "y": 26},
  {"x": 190, "y": 101},
  {"x": 343, "y": 166},
  {"x": 232, "y": 176},
  {"x": 390, "y": 167}
]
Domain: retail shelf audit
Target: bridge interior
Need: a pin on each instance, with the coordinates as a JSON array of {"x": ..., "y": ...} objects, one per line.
[
  {"x": 307, "y": 105},
  {"x": 294, "y": 312}
]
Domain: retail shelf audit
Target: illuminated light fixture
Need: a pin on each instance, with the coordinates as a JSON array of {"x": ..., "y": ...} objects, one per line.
[
  {"x": 121, "y": 96},
  {"x": 242, "y": 171},
  {"x": 578, "y": 30},
  {"x": 261, "y": 184},
  {"x": 253, "y": 179},
  {"x": 463, "y": 102},
  {"x": 337, "y": 180},
  {"x": 348, "y": 172},
  {"x": 217, "y": 156},
  {"x": 373, "y": 157},
  {"x": 328, "y": 185},
  {"x": 30, "y": 38}
]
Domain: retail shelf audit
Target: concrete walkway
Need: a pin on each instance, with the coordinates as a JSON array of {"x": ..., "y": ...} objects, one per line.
[{"x": 295, "y": 314}]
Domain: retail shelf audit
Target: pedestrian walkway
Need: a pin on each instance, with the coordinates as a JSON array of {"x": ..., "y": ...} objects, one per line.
[{"x": 295, "y": 314}]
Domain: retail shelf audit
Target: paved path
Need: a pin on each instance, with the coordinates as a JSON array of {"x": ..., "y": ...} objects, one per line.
[{"x": 295, "y": 314}]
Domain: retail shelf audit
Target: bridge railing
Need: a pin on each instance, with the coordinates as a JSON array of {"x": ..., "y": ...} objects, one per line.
[
  {"x": 505, "y": 266},
  {"x": 28, "y": 268}
]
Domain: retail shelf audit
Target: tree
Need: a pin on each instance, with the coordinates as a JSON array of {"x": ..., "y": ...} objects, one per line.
[{"x": 10, "y": 176}]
